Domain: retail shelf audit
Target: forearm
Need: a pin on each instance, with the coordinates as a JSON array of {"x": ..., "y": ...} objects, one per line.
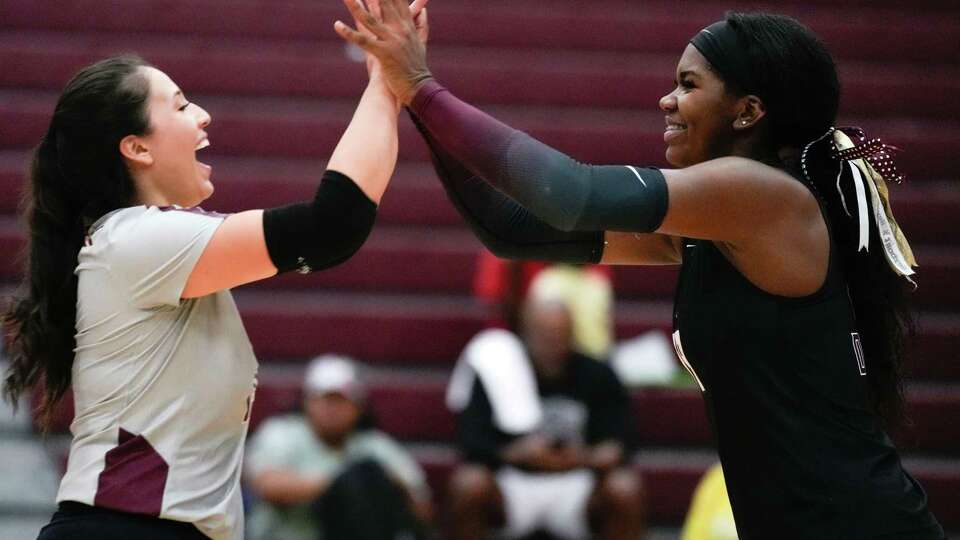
[
  {"x": 285, "y": 488},
  {"x": 562, "y": 192},
  {"x": 506, "y": 228},
  {"x": 605, "y": 456},
  {"x": 367, "y": 151}
]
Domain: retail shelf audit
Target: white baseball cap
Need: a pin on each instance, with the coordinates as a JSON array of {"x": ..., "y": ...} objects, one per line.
[{"x": 331, "y": 373}]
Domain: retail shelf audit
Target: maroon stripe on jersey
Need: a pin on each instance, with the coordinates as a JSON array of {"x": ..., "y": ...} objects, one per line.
[{"x": 133, "y": 477}]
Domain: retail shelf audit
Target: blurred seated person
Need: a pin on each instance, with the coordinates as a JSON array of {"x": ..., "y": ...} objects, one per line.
[
  {"x": 543, "y": 434},
  {"x": 587, "y": 290},
  {"x": 502, "y": 285},
  {"x": 710, "y": 516},
  {"x": 328, "y": 474}
]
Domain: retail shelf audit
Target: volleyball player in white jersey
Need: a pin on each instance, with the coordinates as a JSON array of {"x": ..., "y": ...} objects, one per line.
[{"x": 127, "y": 296}]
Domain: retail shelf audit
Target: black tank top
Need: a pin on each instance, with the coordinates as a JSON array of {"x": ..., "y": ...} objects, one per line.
[{"x": 784, "y": 384}]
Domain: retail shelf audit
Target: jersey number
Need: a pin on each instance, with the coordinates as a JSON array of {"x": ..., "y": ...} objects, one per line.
[
  {"x": 683, "y": 359},
  {"x": 858, "y": 353}
]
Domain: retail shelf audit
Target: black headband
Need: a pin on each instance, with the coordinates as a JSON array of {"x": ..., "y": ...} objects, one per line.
[{"x": 719, "y": 44}]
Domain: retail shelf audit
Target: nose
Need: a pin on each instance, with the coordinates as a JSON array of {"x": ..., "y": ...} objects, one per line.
[
  {"x": 203, "y": 117},
  {"x": 668, "y": 103}
]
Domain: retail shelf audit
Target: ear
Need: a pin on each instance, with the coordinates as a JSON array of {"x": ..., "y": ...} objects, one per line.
[
  {"x": 751, "y": 110},
  {"x": 136, "y": 151}
]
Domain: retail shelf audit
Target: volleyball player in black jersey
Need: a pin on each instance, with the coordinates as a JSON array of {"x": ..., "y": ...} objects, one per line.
[{"x": 792, "y": 331}]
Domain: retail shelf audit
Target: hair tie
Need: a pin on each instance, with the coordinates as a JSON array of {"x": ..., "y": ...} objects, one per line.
[{"x": 870, "y": 163}]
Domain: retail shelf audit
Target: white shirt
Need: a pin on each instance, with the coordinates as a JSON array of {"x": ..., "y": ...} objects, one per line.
[{"x": 162, "y": 386}]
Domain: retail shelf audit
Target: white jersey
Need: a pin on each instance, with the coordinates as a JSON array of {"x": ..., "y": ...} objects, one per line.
[{"x": 162, "y": 386}]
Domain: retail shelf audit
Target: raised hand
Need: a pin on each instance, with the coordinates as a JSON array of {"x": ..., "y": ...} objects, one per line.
[{"x": 397, "y": 38}]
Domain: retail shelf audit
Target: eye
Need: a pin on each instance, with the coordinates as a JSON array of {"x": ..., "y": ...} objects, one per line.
[
  {"x": 184, "y": 107},
  {"x": 686, "y": 83}
]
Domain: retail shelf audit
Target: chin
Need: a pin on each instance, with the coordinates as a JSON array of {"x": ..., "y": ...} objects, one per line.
[
  {"x": 673, "y": 158},
  {"x": 206, "y": 191}
]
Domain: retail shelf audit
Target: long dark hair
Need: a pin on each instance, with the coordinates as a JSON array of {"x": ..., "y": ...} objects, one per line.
[
  {"x": 796, "y": 78},
  {"x": 77, "y": 175}
]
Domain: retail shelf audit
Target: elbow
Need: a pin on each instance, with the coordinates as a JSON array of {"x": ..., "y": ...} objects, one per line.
[{"x": 338, "y": 242}]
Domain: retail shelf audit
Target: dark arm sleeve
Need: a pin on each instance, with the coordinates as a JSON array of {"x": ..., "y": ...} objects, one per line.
[
  {"x": 480, "y": 440},
  {"x": 322, "y": 233},
  {"x": 562, "y": 192},
  {"x": 507, "y": 229}
]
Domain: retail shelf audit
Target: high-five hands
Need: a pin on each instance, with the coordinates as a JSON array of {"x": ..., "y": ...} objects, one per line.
[{"x": 396, "y": 35}]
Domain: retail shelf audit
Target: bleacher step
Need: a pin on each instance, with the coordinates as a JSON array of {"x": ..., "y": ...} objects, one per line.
[{"x": 261, "y": 126}]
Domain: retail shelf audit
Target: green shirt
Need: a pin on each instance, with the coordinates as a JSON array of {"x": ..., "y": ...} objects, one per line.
[{"x": 289, "y": 443}]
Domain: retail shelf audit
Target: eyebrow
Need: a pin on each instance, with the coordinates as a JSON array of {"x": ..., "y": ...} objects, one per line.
[{"x": 688, "y": 72}]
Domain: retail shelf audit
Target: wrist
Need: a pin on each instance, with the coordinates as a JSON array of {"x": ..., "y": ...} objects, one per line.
[
  {"x": 416, "y": 85},
  {"x": 378, "y": 87}
]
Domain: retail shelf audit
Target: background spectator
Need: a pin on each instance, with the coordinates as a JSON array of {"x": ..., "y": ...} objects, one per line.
[
  {"x": 588, "y": 292},
  {"x": 543, "y": 435},
  {"x": 328, "y": 472},
  {"x": 502, "y": 285}
]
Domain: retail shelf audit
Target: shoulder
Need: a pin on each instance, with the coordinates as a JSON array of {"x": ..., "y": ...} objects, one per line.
[
  {"x": 494, "y": 340},
  {"x": 377, "y": 441},
  {"x": 731, "y": 169},
  {"x": 284, "y": 426},
  {"x": 376, "y": 437},
  {"x": 138, "y": 221}
]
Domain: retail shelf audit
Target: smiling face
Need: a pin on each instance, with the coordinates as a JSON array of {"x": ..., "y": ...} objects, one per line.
[
  {"x": 164, "y": 161},
  {"x": 700, "y": 113}
]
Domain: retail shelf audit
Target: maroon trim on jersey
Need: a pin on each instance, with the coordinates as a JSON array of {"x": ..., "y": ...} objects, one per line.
[
  {"x": 192, "y": 210},
  {"x": 133, "y": 478}
]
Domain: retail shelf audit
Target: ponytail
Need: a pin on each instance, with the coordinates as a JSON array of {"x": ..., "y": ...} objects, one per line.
[{"x": 76, "y": 175}]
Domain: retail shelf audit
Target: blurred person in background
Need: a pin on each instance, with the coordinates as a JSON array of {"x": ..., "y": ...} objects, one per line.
[
  {"x": 328, "y": 473},
  {"x": 543, "y": 431},
  {"x": 587, "y": 291},
  {"x": 502, "y": 285}
]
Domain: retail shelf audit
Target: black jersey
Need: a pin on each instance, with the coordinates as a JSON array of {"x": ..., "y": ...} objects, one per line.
[{"x": 785, "y": 389}]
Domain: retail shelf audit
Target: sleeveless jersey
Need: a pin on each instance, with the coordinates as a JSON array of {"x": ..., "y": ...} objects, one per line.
[{"x": 785, "y": 387}]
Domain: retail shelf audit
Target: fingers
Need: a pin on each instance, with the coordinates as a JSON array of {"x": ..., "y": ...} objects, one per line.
[
  {"x": 363, "y": 17},
  {"x": 423, "y": 27},
  {"x": 352, "y": 36},
  {"x": 416, "y": 6},
  {"x": 395, "y": 10},
  {"x": 375, "y": 9}
]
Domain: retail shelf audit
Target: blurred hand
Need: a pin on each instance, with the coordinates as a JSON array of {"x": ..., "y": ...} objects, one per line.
[
  {"x": 536, "y": 452},
  {"x": 396, "y": 35}
]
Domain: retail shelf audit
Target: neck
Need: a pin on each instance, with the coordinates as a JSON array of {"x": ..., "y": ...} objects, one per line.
[{"x": 147, "y": 194}]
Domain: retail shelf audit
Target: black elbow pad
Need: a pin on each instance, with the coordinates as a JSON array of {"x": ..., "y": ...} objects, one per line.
[{"x": 322, "y": 233}]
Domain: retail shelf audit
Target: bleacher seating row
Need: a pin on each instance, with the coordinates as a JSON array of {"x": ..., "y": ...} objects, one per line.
[{"x": 585, "y": 78}]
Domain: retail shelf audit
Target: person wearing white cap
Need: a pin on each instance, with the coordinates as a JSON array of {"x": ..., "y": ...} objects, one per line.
[{"x": 328, "y": 471}]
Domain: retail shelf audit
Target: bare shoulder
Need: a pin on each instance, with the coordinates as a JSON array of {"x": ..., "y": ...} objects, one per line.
[
  {"x": 730, "y": 199},
  {"x": 738, "y": 173}
]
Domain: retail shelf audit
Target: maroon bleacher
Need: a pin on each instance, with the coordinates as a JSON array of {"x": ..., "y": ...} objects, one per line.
[{"x": 280, "y": 89}]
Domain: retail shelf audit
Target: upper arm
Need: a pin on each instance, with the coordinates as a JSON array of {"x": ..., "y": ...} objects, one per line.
[
  {"x": 641, "y": 248},
  {"x": 236, "y": 254},
  {"x": 731, "y": 199}
]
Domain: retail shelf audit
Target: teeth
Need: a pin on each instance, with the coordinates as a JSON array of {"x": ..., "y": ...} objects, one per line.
[{"x": 203, "y": 144}]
